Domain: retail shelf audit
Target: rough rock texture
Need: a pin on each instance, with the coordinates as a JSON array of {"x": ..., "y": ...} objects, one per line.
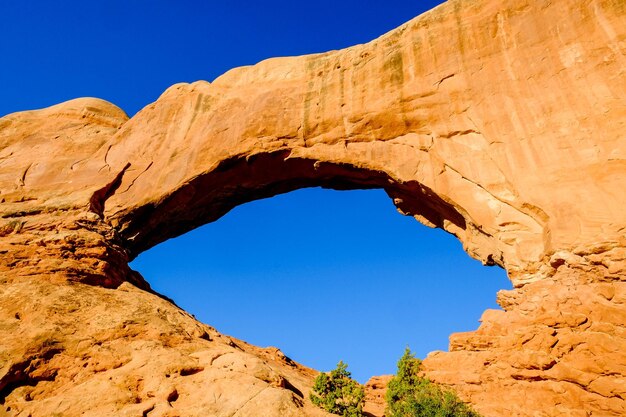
[
  {"x": 499, "y": 121},
  {"x": 70, "y": 350},
  {"x": 375, "y": 390}
]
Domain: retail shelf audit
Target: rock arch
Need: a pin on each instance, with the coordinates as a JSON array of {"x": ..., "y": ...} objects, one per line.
[{"x": 509, "y": 138}]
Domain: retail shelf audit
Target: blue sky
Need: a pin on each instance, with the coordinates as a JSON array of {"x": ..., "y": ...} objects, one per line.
[{"x": 324, "y": 275}]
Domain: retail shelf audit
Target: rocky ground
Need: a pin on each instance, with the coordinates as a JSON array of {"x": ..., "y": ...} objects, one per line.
[{"x": 76, "y": 349}]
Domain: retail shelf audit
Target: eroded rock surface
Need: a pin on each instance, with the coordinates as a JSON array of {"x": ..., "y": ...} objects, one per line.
[{"x": 500, "y": 122}]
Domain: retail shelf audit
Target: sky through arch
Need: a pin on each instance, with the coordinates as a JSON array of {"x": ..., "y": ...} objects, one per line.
[{"x": 326, "y": 275}]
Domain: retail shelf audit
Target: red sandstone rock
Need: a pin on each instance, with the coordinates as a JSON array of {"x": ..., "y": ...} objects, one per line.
[
  {"x": 500, "y": 122},
  {"x": 375, "y": 390}
]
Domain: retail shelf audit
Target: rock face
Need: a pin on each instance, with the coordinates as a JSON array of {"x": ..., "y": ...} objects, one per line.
[
  {"x": 500, "y": 122},
  {"x": 375, "y": 390}
]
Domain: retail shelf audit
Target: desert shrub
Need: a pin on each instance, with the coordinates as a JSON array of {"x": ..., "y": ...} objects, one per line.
[
  {"x": 410, "y": 395},
  {"x": 338, "y": 393}
]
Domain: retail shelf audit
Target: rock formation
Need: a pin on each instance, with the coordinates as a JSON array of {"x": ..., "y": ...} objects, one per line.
[{"x": 500, "y": 122}]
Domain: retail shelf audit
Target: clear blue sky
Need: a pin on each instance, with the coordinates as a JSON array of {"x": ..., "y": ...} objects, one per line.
[{"x": 323, "y": 275}]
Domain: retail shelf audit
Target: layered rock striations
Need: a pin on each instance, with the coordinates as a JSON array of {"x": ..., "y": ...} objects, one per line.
[{"x": 500, "y": 122}]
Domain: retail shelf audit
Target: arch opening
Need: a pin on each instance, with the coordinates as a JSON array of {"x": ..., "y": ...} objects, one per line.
[{"x": 326, "y": 275}]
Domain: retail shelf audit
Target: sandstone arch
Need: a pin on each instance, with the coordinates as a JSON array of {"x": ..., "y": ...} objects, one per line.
[{"x": 510, "y": 138}]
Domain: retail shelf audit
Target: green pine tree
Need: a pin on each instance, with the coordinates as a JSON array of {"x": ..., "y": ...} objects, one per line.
[
  {"x": 338, "y": 393},
  {"x": 410, "y": 395}
]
